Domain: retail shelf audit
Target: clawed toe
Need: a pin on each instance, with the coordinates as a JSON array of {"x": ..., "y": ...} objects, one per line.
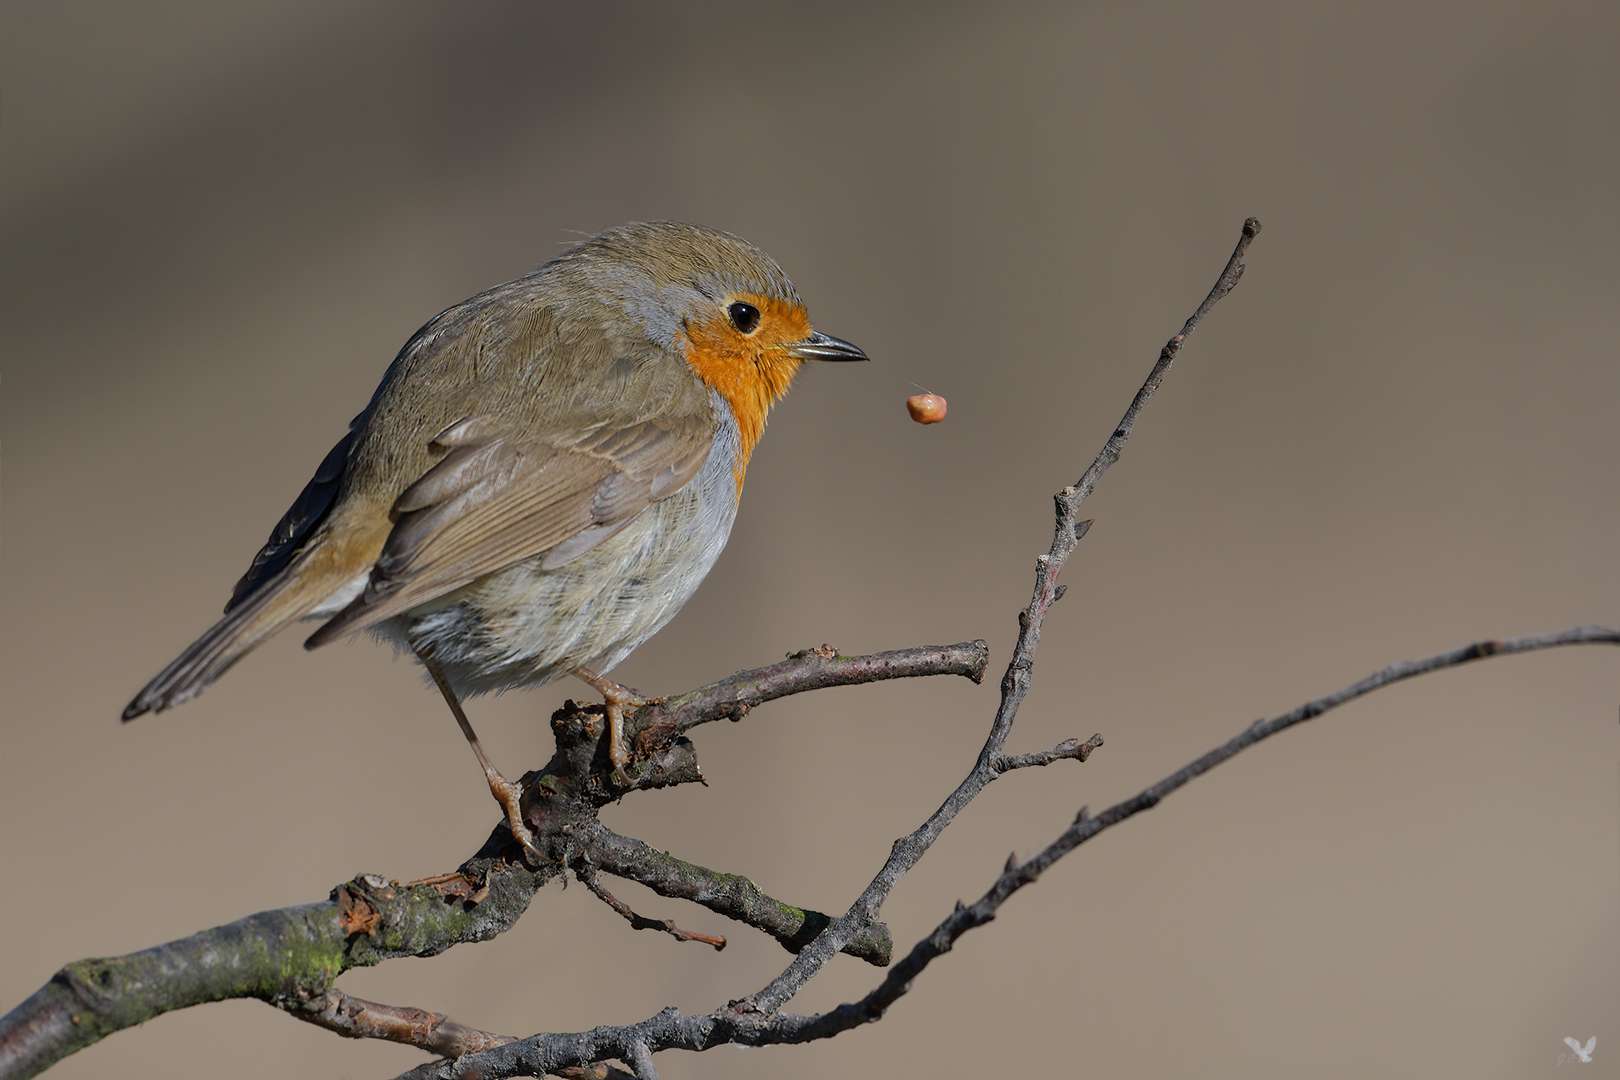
[{"x": 617, "y": 698}]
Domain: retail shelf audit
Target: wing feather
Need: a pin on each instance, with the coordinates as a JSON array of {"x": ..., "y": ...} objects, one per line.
[{"x": 492, "y": 502}]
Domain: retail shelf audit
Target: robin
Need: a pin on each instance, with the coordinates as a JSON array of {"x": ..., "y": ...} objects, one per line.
[{"x": 543, "y": 477}]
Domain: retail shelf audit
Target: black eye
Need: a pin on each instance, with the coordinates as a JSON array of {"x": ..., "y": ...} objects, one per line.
[{"x": 745, "y": 317}]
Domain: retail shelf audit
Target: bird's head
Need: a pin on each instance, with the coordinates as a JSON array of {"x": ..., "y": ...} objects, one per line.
[{"x": 719, "y": 302}]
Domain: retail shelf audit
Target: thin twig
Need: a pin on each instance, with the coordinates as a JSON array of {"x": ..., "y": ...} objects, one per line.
[
  {"x": 811, "y": 669},
  {"x": 356, "y": 1018},
  {"x": 1116, "y": 442},
  {"x": 640, "y": 922},
  {"x": 731, "y": 895},
  {"x": 1068, "y": 748},
  {"x": 1016, "y": 875},
  {"x": 1066, "y": 535},
  {"x": 1084, "y": 830}
]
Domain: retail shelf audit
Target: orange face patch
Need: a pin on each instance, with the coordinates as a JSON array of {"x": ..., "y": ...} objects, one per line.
[{"x": 749, "y": 370}]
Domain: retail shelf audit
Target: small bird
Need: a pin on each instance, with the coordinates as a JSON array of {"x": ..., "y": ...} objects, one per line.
[{"x": 544, "y": 476}]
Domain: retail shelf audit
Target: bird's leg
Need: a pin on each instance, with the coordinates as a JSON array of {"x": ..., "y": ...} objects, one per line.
[
  {"x": 506, "y": 793},
  {"x": 616, "y": 697}
]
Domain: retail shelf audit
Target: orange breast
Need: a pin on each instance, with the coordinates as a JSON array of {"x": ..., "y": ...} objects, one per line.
[{"x": 751, "y": 371}]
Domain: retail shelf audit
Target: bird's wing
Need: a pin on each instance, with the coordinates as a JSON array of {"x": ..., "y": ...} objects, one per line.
[
  {"x": 494, "y": 500},
  {"x": 300, "y": 521}
]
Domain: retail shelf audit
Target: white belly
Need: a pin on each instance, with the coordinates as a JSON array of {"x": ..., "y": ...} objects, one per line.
[{"x": 526, "y": 625}]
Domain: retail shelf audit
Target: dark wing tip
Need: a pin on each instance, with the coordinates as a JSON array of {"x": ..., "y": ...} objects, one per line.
[
  {"x": 163, "y": 692},
  {"x": 300, "y": 520}
]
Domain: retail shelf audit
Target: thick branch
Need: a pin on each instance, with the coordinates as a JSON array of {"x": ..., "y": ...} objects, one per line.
[{"x": 286, "y": 957}]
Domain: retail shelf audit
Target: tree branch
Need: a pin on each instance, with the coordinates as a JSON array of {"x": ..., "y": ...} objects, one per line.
[
  {"x": 355, "y": 1018},
  {"x": 811, "y": 669},
  {"x": 730, "y": 895},
  {"x": 285, "y": 957},
  {"x": 1068, "y": 748},
  {"x": 741, "y": 1024},
  {"x": 290, "y": 957}
]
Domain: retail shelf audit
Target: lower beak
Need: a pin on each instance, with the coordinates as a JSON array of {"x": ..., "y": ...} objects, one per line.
[{"x": 826, "y": 347}]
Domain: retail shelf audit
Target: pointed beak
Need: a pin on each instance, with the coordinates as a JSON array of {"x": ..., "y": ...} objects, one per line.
[{"x": 826, "y": 347}]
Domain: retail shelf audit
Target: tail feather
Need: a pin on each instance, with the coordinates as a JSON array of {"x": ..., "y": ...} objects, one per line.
[{"x": 256, "y": 618}]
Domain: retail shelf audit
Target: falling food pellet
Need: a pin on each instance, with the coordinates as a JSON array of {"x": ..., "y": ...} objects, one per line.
[{"x": 926, "y": 408}]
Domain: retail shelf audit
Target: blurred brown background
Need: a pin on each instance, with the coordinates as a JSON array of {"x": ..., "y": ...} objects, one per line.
[{"x": 1396, "y": 436}]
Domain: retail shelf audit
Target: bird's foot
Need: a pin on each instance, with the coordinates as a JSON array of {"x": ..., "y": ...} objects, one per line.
[
  {"x": 510, "y": 796},
  {"x": 617, "y": 698}
]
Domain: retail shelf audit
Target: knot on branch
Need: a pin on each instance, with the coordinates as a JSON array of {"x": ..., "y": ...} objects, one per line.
[
  {"x": 823, "y": 651},
  {"x": 357, "y": 913}
]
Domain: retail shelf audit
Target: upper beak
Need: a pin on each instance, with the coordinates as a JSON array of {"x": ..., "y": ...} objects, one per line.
[{"x": 820, "y": 346}]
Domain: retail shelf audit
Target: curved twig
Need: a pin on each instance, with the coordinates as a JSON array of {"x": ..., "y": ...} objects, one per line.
[
  {"x": 811, "y": 669},
  {"x": 593, "y": 881}
]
